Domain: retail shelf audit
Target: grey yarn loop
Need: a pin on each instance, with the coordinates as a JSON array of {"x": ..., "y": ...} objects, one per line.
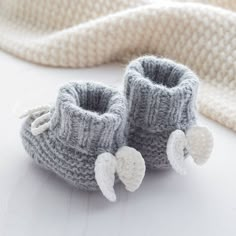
[
  {"x": 87, "y": 120},
  {"x": 161, "y": 98}
]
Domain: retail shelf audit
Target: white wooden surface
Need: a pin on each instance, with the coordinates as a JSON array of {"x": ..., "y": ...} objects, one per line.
[{"x": 35, "y": 202}]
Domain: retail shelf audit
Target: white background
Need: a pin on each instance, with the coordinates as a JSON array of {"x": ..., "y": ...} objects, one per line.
[{"x": 35, "y": 202}]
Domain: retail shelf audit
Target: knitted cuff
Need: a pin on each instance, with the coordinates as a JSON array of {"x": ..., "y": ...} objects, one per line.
[
  {"x": 89, "y": 117},
  {"x": 161, "y": 94}
]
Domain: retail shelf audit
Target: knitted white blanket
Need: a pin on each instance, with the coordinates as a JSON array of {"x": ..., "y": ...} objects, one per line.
[{"x": 81, "y": 33}]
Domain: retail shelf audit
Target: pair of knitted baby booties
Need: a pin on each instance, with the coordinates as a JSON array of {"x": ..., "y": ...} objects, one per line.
[{"x": 83, "y": 138}]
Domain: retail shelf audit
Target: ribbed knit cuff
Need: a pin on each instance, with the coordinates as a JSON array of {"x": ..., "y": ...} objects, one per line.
[
  {"x": 161, "y": 94},
  {"x": 89, "y": 116}
]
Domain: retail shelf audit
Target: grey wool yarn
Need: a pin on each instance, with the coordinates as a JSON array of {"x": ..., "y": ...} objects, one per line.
[
  {"x": 161, "y": 97},
  {"x": 88, "y": 119}
]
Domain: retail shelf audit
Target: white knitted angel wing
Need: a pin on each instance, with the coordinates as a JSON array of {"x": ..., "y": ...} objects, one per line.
[
  {"x": 175, "y": 151},
  {"x": 199, "y": 144},
  {"x": 130, "y": 167},
  {"x": 105, "y": 167},
  {"x": 198, "y": 141}
]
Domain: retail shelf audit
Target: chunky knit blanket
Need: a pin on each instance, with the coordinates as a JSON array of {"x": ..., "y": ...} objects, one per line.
[{"x": 82, "y": 33}]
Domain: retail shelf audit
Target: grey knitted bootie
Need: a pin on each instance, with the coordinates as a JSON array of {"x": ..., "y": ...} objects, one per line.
[
  {"x": 161, "y": 98},
  {"x": 81, "y": 139}
]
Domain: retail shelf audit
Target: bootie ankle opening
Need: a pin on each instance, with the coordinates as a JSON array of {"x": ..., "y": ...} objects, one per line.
[
  {"x": 162, "y": 72},
  {"x": 86, "y": 98},
  {"x": 89, "y": 116},
  {"x": 161, "y": 94}
]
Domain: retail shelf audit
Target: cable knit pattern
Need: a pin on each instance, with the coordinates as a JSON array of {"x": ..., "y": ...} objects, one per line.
[
  {"x": 161, "y": 98},
  {"x": 80, "y": 33},
  {"x": 87, "y": 120}
]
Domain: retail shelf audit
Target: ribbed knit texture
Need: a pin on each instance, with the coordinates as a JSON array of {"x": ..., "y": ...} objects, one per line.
[
  {"x": 161, "y": 98},
  {"x": 81, "y": 33},
  {"x": 87, "y": 120}
]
